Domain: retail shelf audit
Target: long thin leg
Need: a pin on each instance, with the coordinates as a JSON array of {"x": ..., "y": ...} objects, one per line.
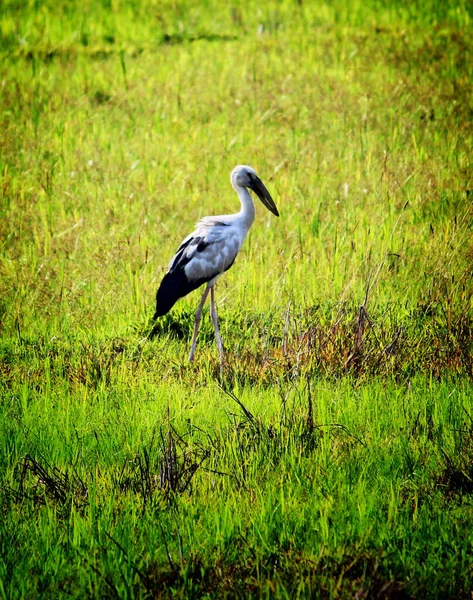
[
  {"x": 213, "y": 313},
  {"x": 198, "y": 315}
]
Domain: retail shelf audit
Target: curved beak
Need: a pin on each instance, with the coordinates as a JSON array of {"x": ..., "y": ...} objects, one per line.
[{"x": 260, "y": 190}]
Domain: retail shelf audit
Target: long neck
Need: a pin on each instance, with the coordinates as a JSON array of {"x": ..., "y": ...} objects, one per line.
[{"x": 247, "y": 212}]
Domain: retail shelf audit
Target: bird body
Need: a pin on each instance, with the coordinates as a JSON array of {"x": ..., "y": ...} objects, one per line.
[
  {"x": 211, "y": 249},
  {"x": 204, "y": 255}
]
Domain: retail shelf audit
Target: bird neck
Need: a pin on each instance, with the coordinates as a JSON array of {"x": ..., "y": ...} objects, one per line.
[{"x": 247, "y": 212}]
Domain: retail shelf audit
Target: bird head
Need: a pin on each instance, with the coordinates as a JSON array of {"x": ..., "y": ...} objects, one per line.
[{"x": 244, "y": 176}]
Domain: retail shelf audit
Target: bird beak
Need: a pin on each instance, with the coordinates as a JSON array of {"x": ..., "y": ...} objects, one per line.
[{"x": 260, "y": 189}]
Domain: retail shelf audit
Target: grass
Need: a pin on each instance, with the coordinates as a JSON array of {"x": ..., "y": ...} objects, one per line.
[{"x": 334, "y": 458}]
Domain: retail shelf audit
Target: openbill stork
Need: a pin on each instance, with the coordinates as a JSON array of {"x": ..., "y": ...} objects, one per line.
[{"x": 211, "y": 250}]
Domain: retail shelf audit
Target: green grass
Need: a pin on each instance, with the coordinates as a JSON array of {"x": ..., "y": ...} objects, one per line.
[{"x": 334, "y": 457}]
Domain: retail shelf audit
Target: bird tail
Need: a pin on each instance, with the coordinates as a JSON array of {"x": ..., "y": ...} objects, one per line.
[
  {"x": 168, "y": 294},
  {"x": 174, "y": 285}
]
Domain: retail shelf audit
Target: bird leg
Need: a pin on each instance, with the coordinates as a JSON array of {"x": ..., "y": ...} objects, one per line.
[
  {"x": 198, "y": 315},
  {"x": 213, "y": 313}
]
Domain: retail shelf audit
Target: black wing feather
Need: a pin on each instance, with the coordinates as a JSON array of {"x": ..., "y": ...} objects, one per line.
[
  {"x": 175, "y": 284},
  {"x": 181, "y": 257}
]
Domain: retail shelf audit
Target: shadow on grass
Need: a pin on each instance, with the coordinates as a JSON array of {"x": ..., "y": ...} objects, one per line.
[
  {"x": 47, "y": 53},
  {"x": 281, "y": 573},
  {"x": 456, "y": 479}
]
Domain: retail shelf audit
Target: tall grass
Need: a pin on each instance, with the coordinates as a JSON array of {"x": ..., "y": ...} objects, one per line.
[{"x": 333, "y": 458}]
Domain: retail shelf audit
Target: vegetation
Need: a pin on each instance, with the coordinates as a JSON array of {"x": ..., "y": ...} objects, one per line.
[{"x": 333, "y": 458}]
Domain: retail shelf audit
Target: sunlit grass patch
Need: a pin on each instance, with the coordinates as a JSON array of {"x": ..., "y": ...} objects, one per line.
[{"x": 332, "y": 455}]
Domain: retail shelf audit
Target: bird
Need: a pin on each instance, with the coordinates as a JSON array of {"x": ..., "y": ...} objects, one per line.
[{"x": 211, "y": 250}]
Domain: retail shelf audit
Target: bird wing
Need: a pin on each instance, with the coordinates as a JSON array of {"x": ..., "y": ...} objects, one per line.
[
  {"x": 186, "y": 251},
  {"x": 202, "y": 257},
  {"x": 208, "y": 251}
]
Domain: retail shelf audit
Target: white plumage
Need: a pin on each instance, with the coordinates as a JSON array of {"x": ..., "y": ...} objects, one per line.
[{"x": 211, "y": 250}]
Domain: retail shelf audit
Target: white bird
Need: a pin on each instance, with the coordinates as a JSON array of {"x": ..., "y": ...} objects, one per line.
[{"x": 210, "y": 251}]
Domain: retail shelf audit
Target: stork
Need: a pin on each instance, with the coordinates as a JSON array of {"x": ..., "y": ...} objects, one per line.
[{"x": 210, "y": 251}]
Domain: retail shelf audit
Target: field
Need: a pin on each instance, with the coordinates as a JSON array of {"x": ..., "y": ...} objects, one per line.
[{"x": 332, "y": 457}]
